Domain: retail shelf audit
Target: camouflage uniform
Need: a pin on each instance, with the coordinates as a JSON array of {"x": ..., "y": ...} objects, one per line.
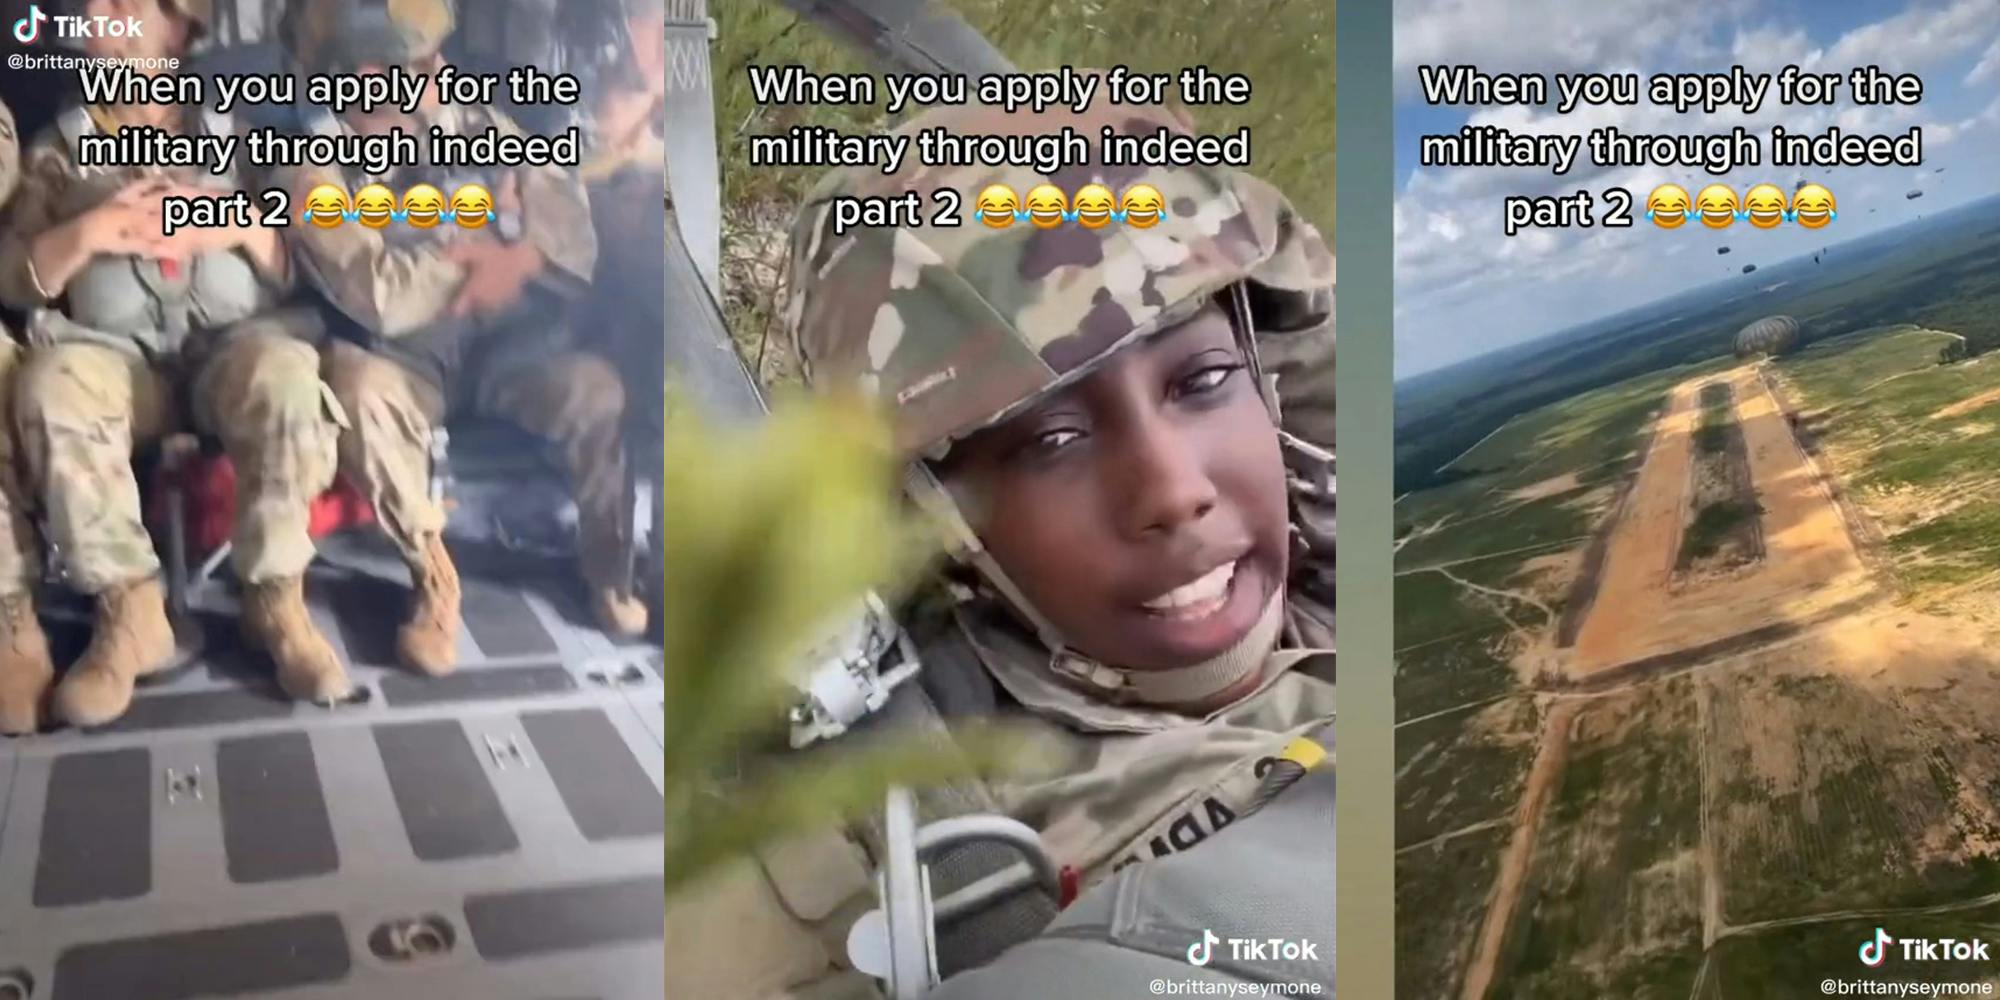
[
  {"x": 956, "y": 327},
  {"x": 25, "y": 670},
  {"x": 110, "y": 355},
  {"x": 402, "y": 362}
]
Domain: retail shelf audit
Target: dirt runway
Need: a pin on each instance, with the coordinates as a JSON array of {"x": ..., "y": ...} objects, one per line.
[{"x": 1810, "y": 564}]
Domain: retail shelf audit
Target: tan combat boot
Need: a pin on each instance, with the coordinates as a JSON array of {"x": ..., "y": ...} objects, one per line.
[
  {"x": 607, "y": 572},
  {"x": 276, "y": 621},
  {"x": 619, "y": 614},
  {"x": 429, "y": 640},
  {"x": 25, "y": 670},
  {"x": 131, "y": 638}
]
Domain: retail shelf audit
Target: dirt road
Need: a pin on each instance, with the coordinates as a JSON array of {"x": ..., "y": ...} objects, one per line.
[
  {"x": 1512, "y": 878},
  {"x": 1809, "y": 565}
]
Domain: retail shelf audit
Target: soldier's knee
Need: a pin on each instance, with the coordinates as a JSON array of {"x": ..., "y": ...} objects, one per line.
[
  {"x": 357, "y": 378},
  {"x": 593, "y": 391},
  {"x": 270, "y": 366},
  {"x": 57, "y": 382}
]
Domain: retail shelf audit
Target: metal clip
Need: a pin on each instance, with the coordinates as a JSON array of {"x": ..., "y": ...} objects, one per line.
[
  {"x": 503, "y": 752},
  {"x": 179, "y": 785}
]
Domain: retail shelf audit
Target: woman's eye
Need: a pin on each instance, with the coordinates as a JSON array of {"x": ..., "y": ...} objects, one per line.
[
  {"x": 1049, "y": 441},
  {"x": 1206, "y": 380}
]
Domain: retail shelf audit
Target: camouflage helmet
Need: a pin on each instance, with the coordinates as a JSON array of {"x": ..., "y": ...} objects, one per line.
[
  {"x": 957, "y": 327},
  {"x": 344, "y": 35}
]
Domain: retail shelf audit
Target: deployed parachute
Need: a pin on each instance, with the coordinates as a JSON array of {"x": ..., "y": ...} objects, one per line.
[
  {"x": 1747, "y": 268},
  {"x": 1721, "y": 250},
  {"x": 1914, "y": 195},
  {"x": 1770, "y": 336}
]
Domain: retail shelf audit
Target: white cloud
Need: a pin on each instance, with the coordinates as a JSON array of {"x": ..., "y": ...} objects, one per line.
[
  {"x": 1453, "y": 262},
  {"x": 1988, "y": 67}
]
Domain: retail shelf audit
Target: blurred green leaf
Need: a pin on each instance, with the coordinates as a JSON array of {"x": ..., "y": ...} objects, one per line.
[{"x": 774, "y": 534}]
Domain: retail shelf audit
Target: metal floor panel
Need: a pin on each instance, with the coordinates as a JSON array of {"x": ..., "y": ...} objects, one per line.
[{"x": 229, "y": 817}]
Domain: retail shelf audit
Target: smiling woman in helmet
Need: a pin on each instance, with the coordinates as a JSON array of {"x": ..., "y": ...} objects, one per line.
[{"x": 1087, "y": 409}]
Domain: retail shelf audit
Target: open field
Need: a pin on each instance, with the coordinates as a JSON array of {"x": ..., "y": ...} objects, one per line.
[
  {"x": 1920, "y": 456},
  {"x": 1723, "y": 809},
  {"x": 1612, "y": 901},
  {"x": 1791, "y": 961},
  {"x": 1447, "y": 883},
  {"x": 1856, "y": 768},
  {"x": 1462, "y": 769}
]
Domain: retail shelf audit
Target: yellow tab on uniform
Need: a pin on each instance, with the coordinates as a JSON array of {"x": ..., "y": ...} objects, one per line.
[{"x": 1303, "y": 752}]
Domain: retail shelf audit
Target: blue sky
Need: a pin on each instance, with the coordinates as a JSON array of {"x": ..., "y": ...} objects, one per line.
[{"x": 1463, "y": 288}]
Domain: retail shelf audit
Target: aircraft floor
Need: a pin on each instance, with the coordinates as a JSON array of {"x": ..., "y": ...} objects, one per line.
[{"x": 495, "y": 833}]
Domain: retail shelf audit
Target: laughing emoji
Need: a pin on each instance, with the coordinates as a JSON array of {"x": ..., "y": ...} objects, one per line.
[
  {"x": 423, "y": 206},
  {"x": 1142, "y": 206},
  {"x": 327, "y": 206},
  {"x": 997, "y": 206},
  {"x": 1812, "y": 207},
  {"x": 1668, "y": 206},
  {"x": 1764, "y": 206},
  {"x": 1047, "y": 206},
  {"x": 374, "y": 206},
  {"x": 471, "y": 206},
  {"x": 1717, "y": 206},
  {"x": 1093, "y": 205}
]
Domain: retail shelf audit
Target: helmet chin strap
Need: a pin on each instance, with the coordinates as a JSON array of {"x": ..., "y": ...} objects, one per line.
[{"x": 1187, "y": 685}]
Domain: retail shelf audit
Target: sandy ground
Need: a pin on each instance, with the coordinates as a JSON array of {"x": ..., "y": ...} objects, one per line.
[
  {"x": 1906, "y": 696},
  {"x": 1546, "y": 488},
  {"x": 1965, "y": 406},
  {"x": 1513, "y": 874},
  {"x": 1809, "y": 564}
]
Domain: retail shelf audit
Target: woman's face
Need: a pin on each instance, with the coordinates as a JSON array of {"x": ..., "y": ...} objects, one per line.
[{"x": 1142, "y": 511}]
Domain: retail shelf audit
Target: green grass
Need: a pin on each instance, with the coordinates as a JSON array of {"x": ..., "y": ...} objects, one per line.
[
  {"x": 1427, "y": 604},
  {"x": 1711, "y": 437},
  {"x": 1871, "y": 399},
  {"x": 1462, "y": 768},
  {"x": 1848, "y": 839},
  {"x": 1450, "y": 672},
  {"x": 1712, "y": 526},
  {"x": 1440, "y": 899},
  {"x": 1791, "y": 961},
  {"x": 1613, "y": 902}
]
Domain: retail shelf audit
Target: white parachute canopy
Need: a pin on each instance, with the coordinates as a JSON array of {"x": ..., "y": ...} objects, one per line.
[{"x": 1770, "y": 336}]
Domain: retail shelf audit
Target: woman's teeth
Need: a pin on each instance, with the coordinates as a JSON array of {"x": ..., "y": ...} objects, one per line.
[{"x": 1198, "y": 599}]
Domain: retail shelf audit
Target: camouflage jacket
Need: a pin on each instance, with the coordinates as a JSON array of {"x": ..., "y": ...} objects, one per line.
[
  {"x": 124, "y": 302},
  {"x": 1135, "y": 782},
  {"x": 395, "y": 282}
]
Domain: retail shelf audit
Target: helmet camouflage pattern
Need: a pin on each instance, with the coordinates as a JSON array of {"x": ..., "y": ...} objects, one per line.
[
  {"x": 956, "y": 327},
  {"x": 327, "y": 36}
]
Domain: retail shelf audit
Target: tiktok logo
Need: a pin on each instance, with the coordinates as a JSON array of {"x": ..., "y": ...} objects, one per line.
[
  {"x": 28, "y": 29},
  {"x": 1873, "y": 952},
  {"x": 1198, "y": 954}
]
